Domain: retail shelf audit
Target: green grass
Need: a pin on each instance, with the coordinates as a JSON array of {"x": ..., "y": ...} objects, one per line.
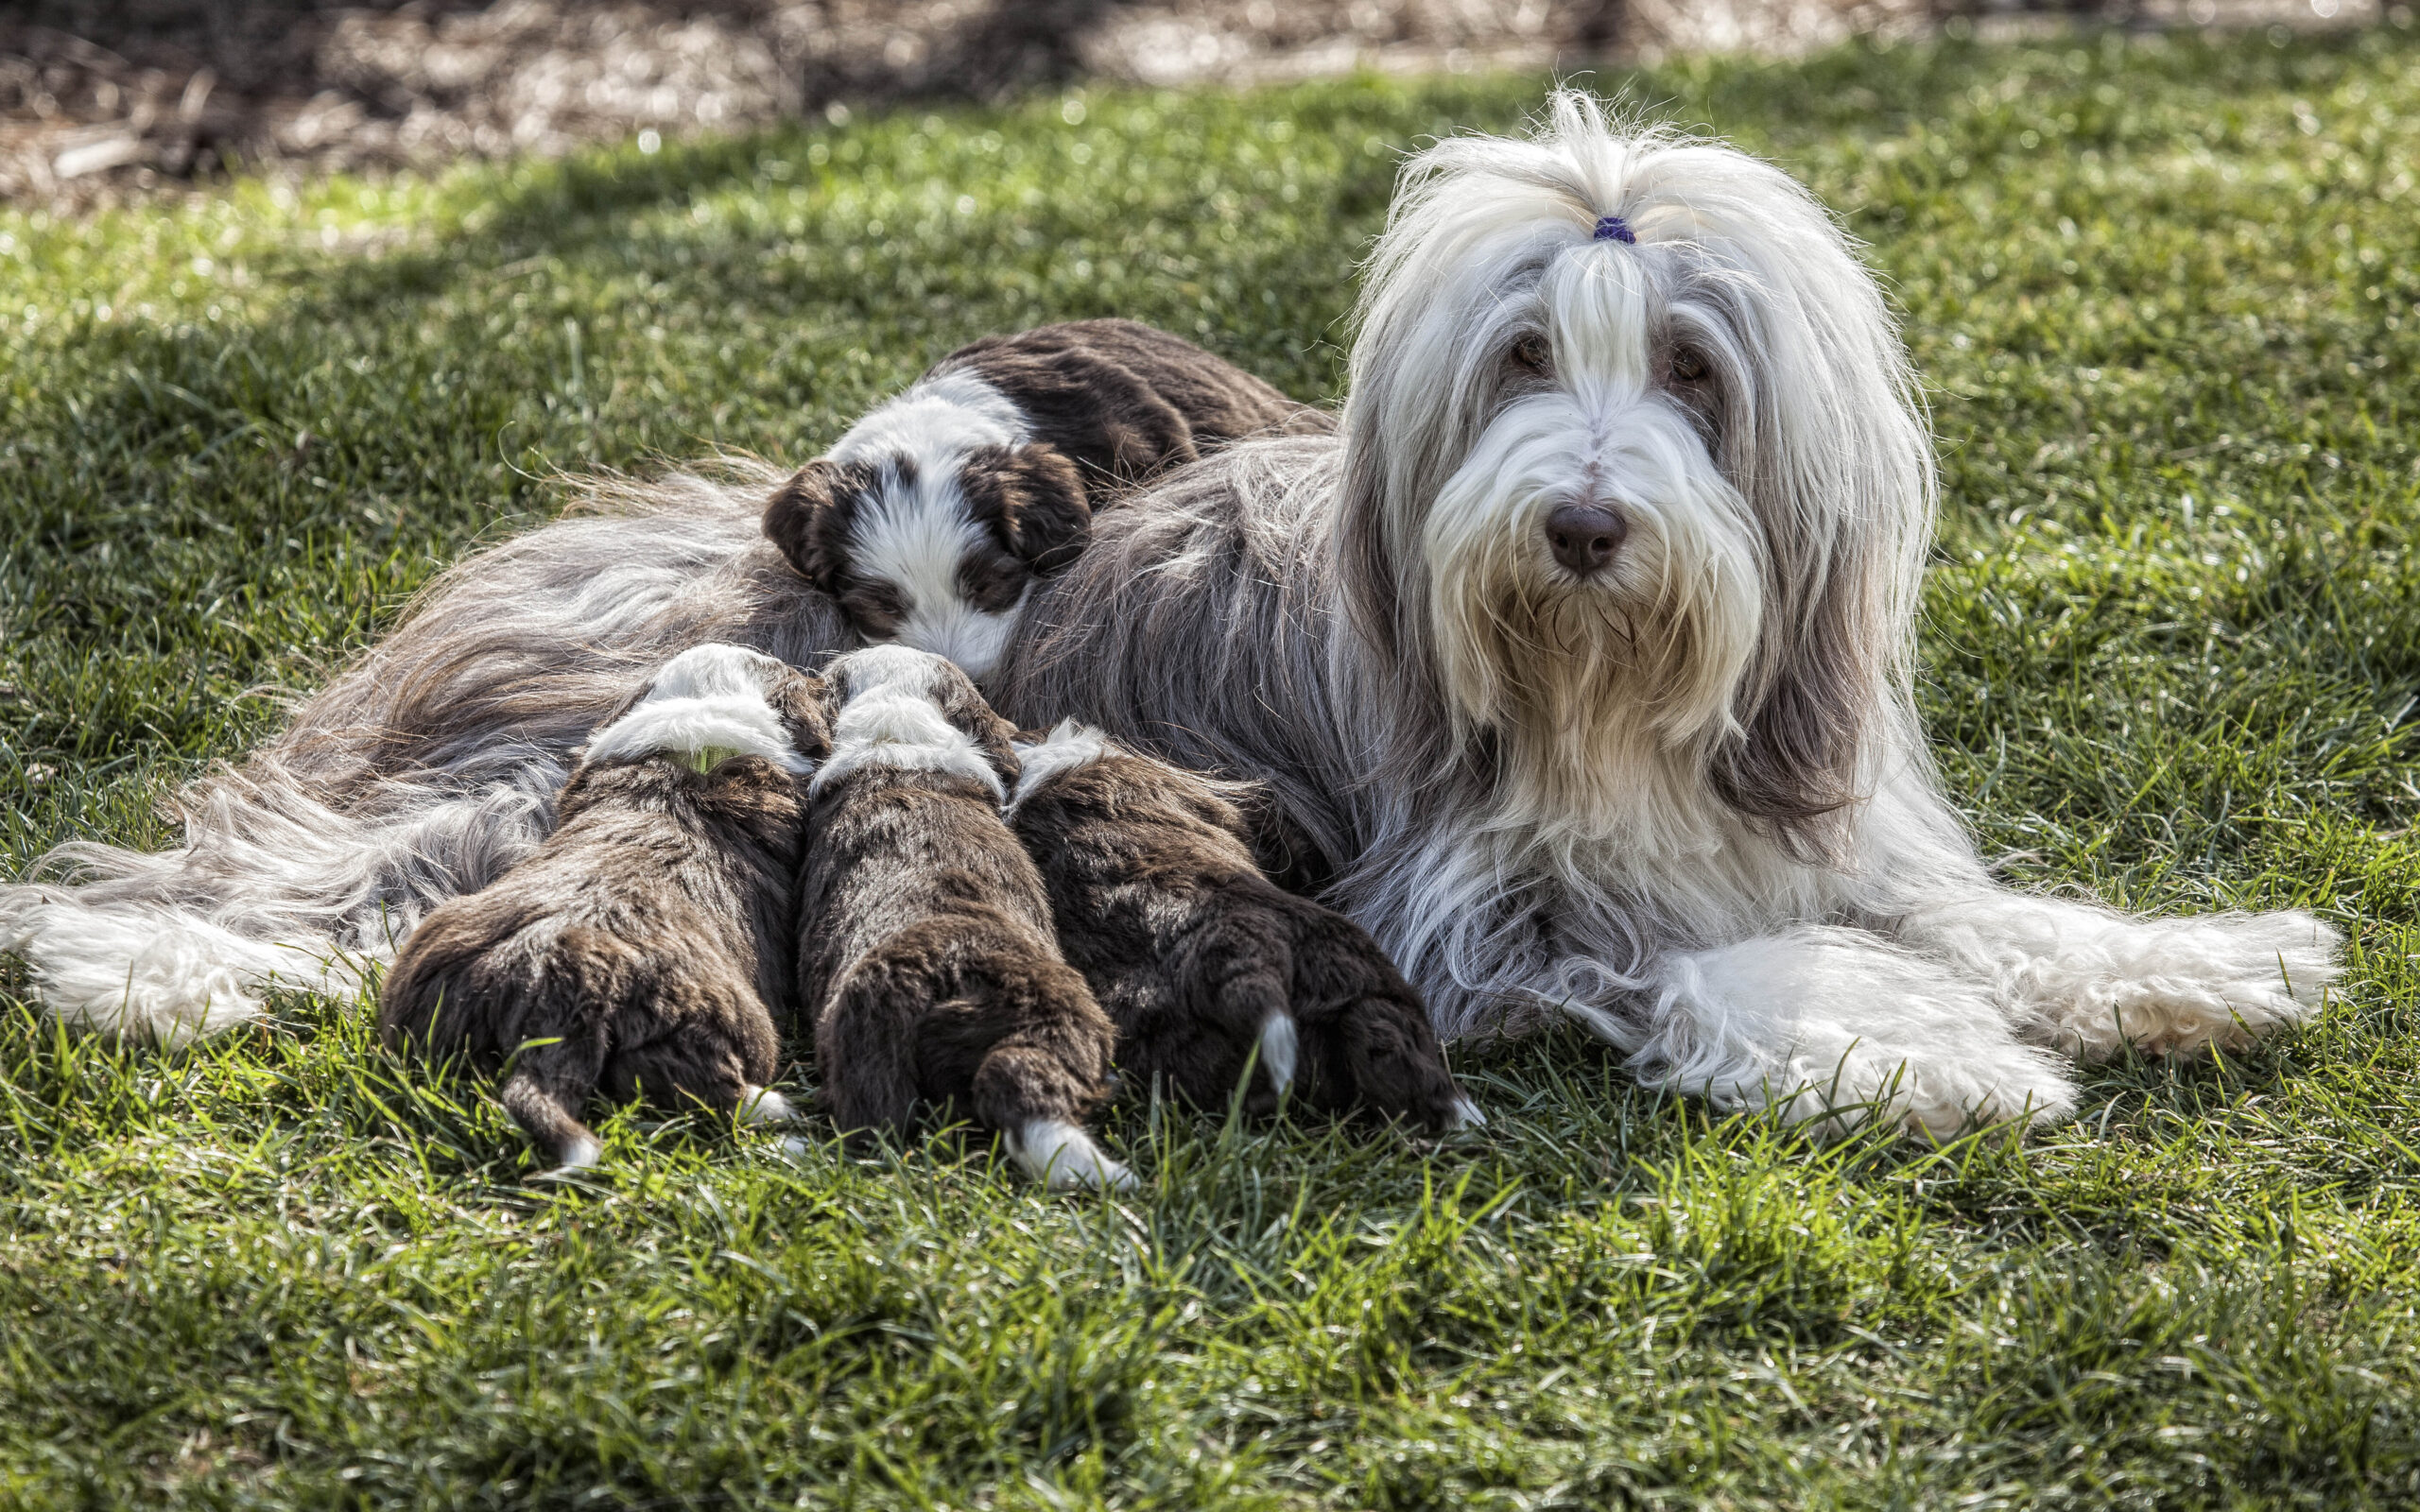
[{"x": 2164, "y": 292}]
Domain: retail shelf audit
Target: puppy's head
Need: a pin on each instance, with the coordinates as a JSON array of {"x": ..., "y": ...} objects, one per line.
[
  {"x": 892, "y": 705},
  {"x": 715, "y": 701},
  {"x": 931, "y": 542}
]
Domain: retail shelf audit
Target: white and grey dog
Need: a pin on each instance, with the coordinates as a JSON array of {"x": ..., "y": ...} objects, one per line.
[{"x": 1582, "y": 656}]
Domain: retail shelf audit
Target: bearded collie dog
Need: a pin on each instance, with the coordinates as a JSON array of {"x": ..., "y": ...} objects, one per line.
[{"x": 1582, "y": 654}]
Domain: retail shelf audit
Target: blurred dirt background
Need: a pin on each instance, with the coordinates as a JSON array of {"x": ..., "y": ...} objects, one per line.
[{"x": 103, "y": 97}]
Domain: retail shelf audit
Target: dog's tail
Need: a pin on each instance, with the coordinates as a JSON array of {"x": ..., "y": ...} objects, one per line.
[
  {"x": 144, "y": 972},
  {"x": 272, "y": 887}
]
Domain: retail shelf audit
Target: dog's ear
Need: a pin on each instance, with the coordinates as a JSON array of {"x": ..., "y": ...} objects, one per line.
[
  {"x": 802, "y": 703},
  {"x": 807, "y": 519},
  {"x": 962, "y": 704},
  {"x": 1033, "y": 498}
]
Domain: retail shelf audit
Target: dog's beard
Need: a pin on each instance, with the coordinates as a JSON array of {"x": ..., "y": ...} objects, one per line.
[{"x": 1605, "y": 698}]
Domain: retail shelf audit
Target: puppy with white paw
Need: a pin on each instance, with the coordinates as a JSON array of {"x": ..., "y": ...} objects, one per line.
[
  {"x": 933, "y": 515},
  {"x": 1203, "y": 962},
  {"x": 926, "y": 950},
  {"x": 645, "y": 948}
]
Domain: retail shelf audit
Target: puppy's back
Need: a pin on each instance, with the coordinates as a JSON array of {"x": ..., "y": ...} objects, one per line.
[
  {"x": 646, "y": 941},
  {"x": 1126, "y": 399}
]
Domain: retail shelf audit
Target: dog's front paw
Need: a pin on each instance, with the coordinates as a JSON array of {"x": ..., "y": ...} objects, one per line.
[{"x": 2175, "y": 986}]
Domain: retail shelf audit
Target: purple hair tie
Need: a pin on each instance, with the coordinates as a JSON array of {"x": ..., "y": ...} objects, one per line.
[{"x": 1613, "y": 229}]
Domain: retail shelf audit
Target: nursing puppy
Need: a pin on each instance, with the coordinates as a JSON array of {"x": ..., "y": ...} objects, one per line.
[
  {"x": 1200, "y": 960},
  {"x": 648, "y": 937},
  {"x": 926, "y": 950},
  {"x": 932, "y": 518}
]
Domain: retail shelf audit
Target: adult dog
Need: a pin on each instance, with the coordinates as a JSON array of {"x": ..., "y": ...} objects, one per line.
[{"x": 1582, "y": 654}]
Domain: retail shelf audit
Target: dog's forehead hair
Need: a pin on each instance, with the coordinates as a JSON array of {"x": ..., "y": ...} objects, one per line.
[
  {"x": 1600, "y": 309},
  {"x": 936, "y": 419}
]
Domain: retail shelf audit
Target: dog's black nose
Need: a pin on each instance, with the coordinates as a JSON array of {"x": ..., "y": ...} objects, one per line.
[{"x": 1586, "y": 536}]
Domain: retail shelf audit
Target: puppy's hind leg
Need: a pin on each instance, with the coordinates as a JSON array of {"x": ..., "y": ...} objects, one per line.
[
  {"x": 544, "y": 1091},
  {"x": 1040, "y": 1078},
  {"x": 1366, "y": 1033},
  {"x": 697, "y": 1065},
  {"x": 865, "y": 1042}
]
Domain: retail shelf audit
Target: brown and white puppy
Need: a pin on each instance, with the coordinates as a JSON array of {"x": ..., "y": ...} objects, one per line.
[
  {"x": 1200, "y": 960},
  {"x": 925, "y": 951},
  {"x": 934, "y": 514},
  {"x": 646, "y": 946}
]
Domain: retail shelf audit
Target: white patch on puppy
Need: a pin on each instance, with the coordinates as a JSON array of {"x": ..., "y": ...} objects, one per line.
[
  {"x": 1279, "y": 1050},
  {"x": 1063, "y": 749},
  {"x": 762, "y": 1104},
  {"x": 891, "y": 720},
  {"x": 707, "y": 701}
]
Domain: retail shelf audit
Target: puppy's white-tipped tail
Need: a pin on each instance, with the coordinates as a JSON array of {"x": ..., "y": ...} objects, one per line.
[
  {"x": 1064, "y": 1159},
  {"x": 147, "y": 972},
  {"x": 1280, "y": 1050}
]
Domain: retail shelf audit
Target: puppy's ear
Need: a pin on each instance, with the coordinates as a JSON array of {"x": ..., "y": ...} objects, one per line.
[
  {"x": 803, "y": 702},
  {"x": 962, "y": 704},
  {"x": 1033, "y": 499},
  {"x": 807, "y": 518}
]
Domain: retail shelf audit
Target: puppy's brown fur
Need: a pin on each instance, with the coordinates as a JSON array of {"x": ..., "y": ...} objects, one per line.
[
  {"x": 649, "y": 938},
  {"x": 1124, "y": 401},
  {"x": 1201, "y": 961},
  {"x": 925, "y": 949}
]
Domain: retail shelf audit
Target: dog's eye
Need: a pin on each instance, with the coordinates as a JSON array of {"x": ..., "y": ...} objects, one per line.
[
  {"x": 1534, "y": 355},
  {"x": 1688, "y": 366}
]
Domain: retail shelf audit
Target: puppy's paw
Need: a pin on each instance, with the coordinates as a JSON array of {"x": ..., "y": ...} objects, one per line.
[
  {"x": 1385, "y": 1057},
  {"x": 762, "y": 1104},
  {"x": 1064, "y": 1159}
]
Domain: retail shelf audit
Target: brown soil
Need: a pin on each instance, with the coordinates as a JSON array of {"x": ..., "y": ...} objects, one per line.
[{"x": 100, "y": 96}]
